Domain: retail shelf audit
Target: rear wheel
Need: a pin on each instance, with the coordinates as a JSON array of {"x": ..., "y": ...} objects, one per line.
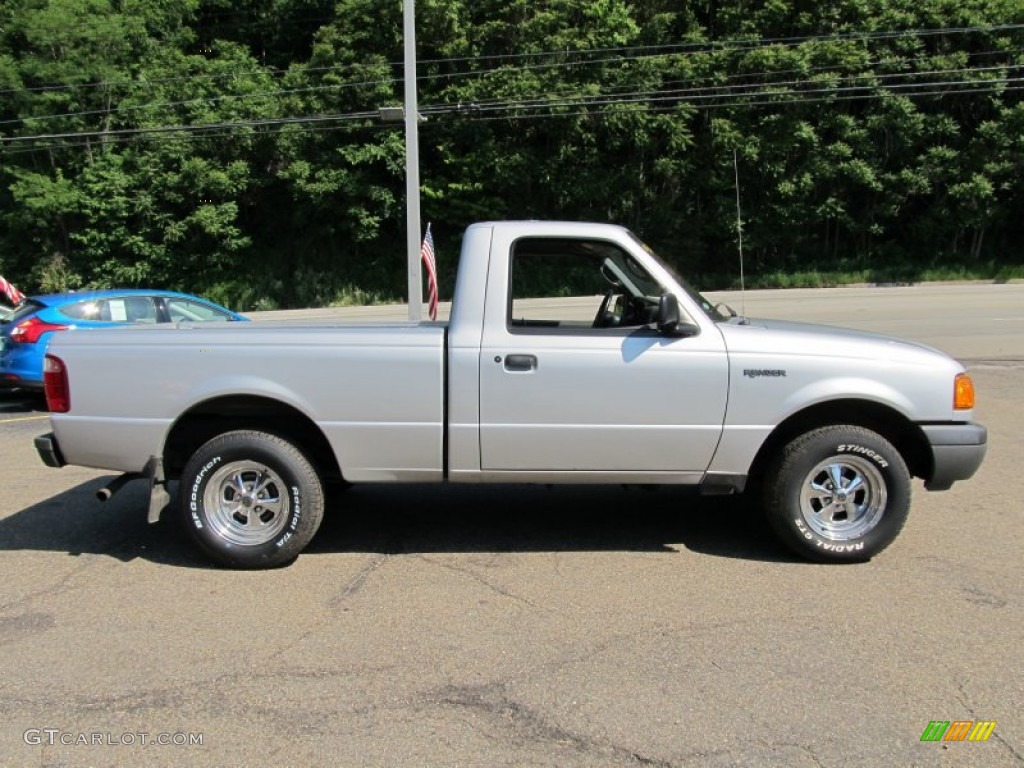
[
  {"x": 838, "y": 494},
  {"x": 251, "y": 499}
]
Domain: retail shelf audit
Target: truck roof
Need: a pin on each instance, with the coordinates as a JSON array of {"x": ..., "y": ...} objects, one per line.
[{"x": 558, "y": 228}]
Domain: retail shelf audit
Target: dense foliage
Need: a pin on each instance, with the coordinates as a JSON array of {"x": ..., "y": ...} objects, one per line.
[{"x": 233, "y": 147}]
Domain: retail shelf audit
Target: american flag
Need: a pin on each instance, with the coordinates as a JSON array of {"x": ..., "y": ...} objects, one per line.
[
  {"x": 427, "y": 254},
  {"x": 13, "y": 294}
]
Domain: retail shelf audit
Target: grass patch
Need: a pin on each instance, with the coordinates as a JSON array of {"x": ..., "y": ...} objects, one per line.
[
  {"x": 353, "y": 296},
  {"x": 898, "y": 274}
]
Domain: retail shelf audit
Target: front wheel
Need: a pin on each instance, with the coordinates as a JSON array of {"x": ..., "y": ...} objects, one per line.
[
  {"x": 838, "y": 494},
  {"x": 251, "y": 499}
]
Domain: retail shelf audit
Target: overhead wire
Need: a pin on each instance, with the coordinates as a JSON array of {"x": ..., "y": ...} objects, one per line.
[
  {"x": 698, "y": 93},
  {"x": 592, "y": 109},
  {"x": 213, "y": 134},
  {"x": 743, "y": 92},
  {"x": 717, "y": 89},
  {"x": 371, "y": 83},
  {"x": 765, "y": 98},
  {"x": 695, "y": 47},
  {"x": 195, "y": 127},
  {"x": 301, "y": 128}
]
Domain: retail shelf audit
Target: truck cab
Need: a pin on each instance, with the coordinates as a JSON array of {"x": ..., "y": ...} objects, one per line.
[{"x": 583, "y": 383}]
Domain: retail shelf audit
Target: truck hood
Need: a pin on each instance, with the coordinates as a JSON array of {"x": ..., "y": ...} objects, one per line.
[{"x": 764, "y": 336}]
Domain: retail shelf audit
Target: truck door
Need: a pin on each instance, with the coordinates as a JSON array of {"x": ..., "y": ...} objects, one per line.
[{"x": 574, "y": 377}]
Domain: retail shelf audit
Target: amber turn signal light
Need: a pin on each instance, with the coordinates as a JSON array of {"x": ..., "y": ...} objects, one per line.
[{"x": 963, "y": 392}]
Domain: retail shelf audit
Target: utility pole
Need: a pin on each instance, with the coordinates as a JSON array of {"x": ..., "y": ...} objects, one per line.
[{"x": 412, "y": 164}]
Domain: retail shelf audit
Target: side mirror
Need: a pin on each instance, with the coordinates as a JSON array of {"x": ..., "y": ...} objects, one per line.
[{"x": 669, "y": 322}]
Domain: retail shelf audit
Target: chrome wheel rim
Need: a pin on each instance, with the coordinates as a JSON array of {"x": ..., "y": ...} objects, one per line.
[
  {"x": 843, "y": 498},
  {"x": 246, "y": 503}
]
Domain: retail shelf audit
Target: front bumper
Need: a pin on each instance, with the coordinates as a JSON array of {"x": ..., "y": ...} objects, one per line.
[
  {"x": 49, "y": 451},
  {"x": 957, "y": 451}
]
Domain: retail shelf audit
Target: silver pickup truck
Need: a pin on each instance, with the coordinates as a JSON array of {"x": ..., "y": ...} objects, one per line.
[{"x": 627, "y": 375}]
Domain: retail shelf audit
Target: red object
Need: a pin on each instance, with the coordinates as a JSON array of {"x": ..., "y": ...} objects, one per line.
[
  {"x": 55, "y": 383},
  {"x": 427, "y": 254},
  {"x": 29, "y": 331},
  {"x": 13, "y": 294}
]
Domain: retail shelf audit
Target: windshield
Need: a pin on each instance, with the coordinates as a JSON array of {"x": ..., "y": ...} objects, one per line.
[{"x": 704, "y": 303}]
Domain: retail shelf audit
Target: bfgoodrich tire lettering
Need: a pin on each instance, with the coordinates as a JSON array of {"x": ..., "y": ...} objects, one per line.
[
  {"x": 251, "y": 499},
  {"x": 838, "y": 494}
]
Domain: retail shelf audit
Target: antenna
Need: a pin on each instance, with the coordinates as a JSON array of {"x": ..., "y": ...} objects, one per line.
[{"x": 739, "y": 231}]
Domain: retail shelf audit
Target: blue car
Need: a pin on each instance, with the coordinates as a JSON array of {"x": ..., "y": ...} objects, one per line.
[{"x": 24, "y": 335}]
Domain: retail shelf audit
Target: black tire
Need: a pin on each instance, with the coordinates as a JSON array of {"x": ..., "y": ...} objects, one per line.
[
  {"x": 251, "y": 500},
  {"x": 849, "y": 527}
]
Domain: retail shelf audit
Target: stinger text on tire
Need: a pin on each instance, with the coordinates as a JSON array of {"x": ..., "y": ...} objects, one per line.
[{"x": 838, "y": 494}]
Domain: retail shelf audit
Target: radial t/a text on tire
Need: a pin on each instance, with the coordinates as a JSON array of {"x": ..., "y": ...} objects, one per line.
[
  {"x": 838, "y": 494},
  {"x": 251, "y": 499}
]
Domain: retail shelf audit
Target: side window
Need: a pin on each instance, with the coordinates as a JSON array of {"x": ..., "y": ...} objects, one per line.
[
  {"x": 94, "y": 309},
  {"x": 134, "y": 309},
  {"x": 192, "y": 311},
  {"x": 578, "y": 286}
]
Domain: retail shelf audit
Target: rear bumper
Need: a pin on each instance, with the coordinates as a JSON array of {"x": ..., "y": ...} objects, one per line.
[
  {"x": 49, "y": 451},
  {"x": 957, "y": 451}
]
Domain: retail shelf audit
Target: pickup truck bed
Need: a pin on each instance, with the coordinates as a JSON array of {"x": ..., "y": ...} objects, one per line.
[{"x": 376, "y": 392}]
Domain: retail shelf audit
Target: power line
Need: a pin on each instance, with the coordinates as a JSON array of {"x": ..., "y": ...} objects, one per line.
[
  {"x": 189, "y": 102},
  {"x": 748, "y": 43},
  {"x": 194, "y": 128},
  {"x": 690, "y": 93},
  {"x": 777, "y": 97},
  {"x": 717, "y": 89},
  {"x": 120, "y": 109},
  {"x": 738, "y": 104},
  {"x": 601, "y": 113},
  {"x": 223, "y": 133},
  {"x": 656, "y": 102},
  {"x": 665, "y": 49}
]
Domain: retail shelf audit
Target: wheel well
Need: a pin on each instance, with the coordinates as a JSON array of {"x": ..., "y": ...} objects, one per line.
[
  {"x": 213, "y": 417},
  {"x": 905, "y": 436}
]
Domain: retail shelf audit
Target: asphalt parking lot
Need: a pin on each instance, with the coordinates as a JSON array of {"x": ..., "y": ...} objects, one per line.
[{"x": 508, "y": 626}]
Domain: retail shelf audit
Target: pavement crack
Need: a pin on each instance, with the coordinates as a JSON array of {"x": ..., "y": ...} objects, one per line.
[
  {"x": 785, "y": 745},
  {"x": 965, "y": 702},
  {"x": 523, "y": 725},
  {"x": 14, "y": 628},
  {"x": 358, "y": 581},
  {"x": 965, "y": 699},
  {"x": 1016, "y": 755},
  {"x": 979, "y": 596},
  {"x": 480, "y": 580},
  {"x": 49, "y": 590}
]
